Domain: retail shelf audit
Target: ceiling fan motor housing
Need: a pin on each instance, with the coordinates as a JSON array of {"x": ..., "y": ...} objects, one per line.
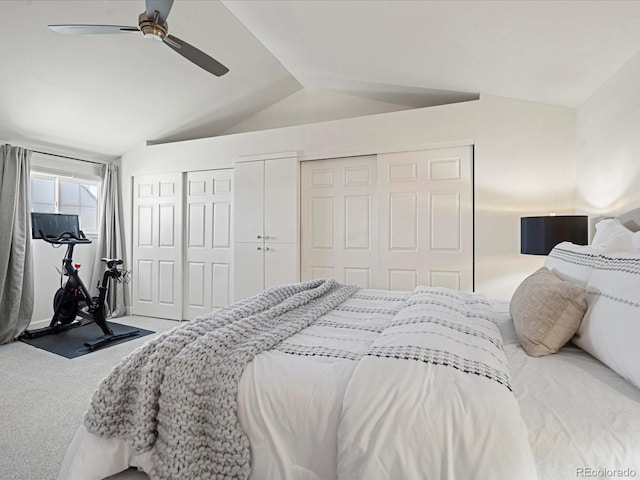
[{"x": 152, "y": 27}]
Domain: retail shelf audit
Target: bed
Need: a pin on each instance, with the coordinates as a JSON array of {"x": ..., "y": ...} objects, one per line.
[{"x": 325, "y": 381}]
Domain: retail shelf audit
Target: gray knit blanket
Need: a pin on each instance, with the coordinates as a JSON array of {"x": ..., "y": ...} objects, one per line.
[{"x": 178, "y": 392}]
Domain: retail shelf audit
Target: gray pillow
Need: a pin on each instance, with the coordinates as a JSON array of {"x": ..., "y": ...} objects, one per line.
[{"x": 546, "y": 312}]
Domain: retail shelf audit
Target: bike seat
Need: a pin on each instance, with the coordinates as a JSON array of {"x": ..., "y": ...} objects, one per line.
[{"x": 111, "y": 261}]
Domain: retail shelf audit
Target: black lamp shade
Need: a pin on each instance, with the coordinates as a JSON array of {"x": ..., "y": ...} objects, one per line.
[{"x": 538, "y": 235}]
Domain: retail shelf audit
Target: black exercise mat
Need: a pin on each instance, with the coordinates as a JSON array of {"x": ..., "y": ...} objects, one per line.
[{"x": 70, "y": 343}]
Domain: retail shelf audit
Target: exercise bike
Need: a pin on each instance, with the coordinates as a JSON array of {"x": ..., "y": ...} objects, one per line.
[{"x": 73, "y": 300}]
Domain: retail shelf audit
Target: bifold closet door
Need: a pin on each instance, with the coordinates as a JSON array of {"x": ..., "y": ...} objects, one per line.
[
  {"x": 339, "y": 220},
  {"x": 425, "y": 206},
  {"x": 157, "y": 246},
  {"x": 209, "y": 242}
]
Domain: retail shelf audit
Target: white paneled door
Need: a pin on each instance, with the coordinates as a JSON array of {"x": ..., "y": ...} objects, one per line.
[
  {"x": 157, "y": 246},
  {"x": 339, "y": 220},
  {"x": 209, "y": 241},
  {"x": 425, "y": 201},
  {"x": 391, "y": 221}
]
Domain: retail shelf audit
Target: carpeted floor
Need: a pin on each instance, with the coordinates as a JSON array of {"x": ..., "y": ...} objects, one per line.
[{"x": 43, "y": 397}]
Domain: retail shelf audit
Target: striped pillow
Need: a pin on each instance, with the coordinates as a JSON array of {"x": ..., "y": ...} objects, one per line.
[
  {"x": 573, "y": 263},
  {"x": 610, "y": 330}
]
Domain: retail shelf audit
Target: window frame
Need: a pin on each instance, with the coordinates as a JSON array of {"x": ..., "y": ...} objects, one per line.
[{"x": 57, "y": 177}]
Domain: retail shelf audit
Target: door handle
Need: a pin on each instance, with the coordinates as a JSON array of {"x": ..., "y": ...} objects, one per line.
[{"x": 266, "y": 237}]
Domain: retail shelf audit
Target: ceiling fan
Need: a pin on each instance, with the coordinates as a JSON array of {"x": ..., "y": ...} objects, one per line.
[{"x": 153, "y": 24}]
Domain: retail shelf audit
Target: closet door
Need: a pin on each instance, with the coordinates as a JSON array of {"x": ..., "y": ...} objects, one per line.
[
  {"x": 425, "y": 203},
  {"x": 209, "y": 242},
  {"x": 249, "y": 269},
  {"x": 280, "y": 265},
  {"x": 157, "y": 246},
  {"x": 266, "y": 223},
  {"x": 281, "y": 185},
  {"x": 391, "y": 221},
  {"x": 249, "y": 201},
  {"x": 339, "y": 220}
]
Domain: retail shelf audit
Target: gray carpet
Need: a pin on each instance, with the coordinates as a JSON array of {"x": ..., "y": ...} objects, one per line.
[{"x": 43, "y": 397}]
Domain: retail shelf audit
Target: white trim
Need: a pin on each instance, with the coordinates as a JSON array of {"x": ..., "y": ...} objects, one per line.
[
  {"x": 374, "y": 151},
  {"x": 39, "y": 323},
  {"x": 266, "y": 156}
]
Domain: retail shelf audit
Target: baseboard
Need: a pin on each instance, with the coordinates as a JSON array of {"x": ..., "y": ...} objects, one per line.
[
  {"x": 39, "y": 323},
  {"x": 45, "y": 322}
]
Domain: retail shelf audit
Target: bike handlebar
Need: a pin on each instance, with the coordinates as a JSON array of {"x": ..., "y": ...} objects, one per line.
[{"x": 65, "y": 238}]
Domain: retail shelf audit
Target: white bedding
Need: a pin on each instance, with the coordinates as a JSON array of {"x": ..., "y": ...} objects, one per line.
[
  {"x": 305, "y": 418},
  {"x": 445, "y": 412},
  {"x": 580, "y": 414}
]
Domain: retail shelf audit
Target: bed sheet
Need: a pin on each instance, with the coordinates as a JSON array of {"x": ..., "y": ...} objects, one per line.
[{"x": 583, "y": 418}]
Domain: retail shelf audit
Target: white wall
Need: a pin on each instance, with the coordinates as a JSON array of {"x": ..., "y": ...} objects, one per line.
[
  {"x": 309, "y": 106},
  {"x": 524, "y": 164},
  {"x": 608, "y": 138}
]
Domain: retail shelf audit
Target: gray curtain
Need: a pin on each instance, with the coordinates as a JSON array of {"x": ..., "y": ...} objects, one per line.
[
  {"x": 16, "y": 262},
  {"x": 111, "y": 238}
]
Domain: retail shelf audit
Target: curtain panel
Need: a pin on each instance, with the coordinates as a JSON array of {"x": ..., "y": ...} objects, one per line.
[
  {"x": 111, "y": 239},
  {"x": 16, "y": 256}
]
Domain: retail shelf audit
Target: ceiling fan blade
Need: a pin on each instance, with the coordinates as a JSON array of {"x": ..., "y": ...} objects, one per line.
[
  {"x": 163, "y": 7},
  {"x": 196, "y": 56},
  {"x": 92, "y": 29}
]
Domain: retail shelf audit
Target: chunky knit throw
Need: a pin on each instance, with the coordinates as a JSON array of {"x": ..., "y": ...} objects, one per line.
[{"x": 178, "y": 392}]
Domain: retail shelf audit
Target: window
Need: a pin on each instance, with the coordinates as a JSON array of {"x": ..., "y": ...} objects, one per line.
[{"x": 60, "y": 194}]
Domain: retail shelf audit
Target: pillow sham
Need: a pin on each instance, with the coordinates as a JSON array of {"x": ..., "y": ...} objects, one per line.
[
  {"x": 573, "y": 263},
  {"x": 607, "y": 230},
  {"x": 620, "y": 244},
  {"x": 610, "y": 330},
  {"x": 546, "y": 312}
]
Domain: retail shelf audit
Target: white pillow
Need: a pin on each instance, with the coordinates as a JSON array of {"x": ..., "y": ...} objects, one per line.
[
  {"x": 607, "y": 230},
  {"x": 610, "y": 329},
  {"x": 573, "y": 263},
  {"x": 622, "y": 243}
]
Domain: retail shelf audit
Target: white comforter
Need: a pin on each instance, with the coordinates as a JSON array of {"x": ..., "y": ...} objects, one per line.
[{"x": 388, "y": 385}]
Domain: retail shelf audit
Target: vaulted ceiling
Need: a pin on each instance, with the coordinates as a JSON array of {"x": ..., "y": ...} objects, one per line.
[{"x": 101, "y": 95}]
